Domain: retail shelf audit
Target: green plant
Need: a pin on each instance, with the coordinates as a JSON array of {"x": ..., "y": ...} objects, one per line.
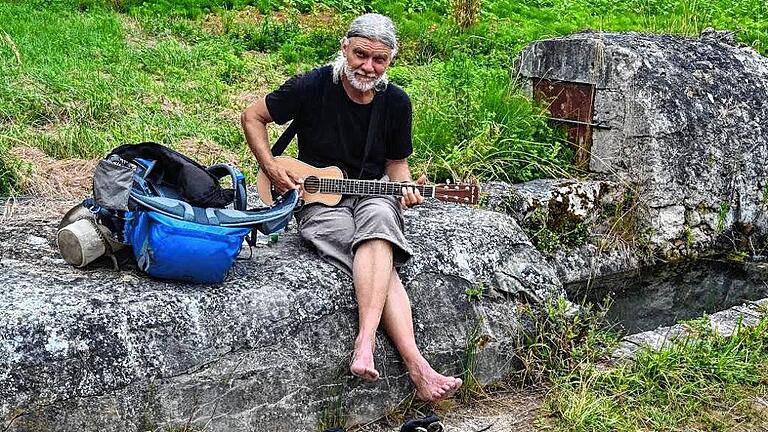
[
  {"x": 559, "y": 337},
  {"x": 678, "y": 387},
  {"x": 333, "y": 414},
  {"x": 473, "y": 122},
  {"x": 267, "y": 36},
  {"x": 737, "y": 256},
  {"x": 549, "y": 234},
  {"x": 722, "y": 214},
  {"x": 475, "y": 293},
  {"x": 10, "y": 172},
  {"x": 475, "y": 342},
  {"x": 689, "y": 238},
  {"x": 765, "y": 194}
]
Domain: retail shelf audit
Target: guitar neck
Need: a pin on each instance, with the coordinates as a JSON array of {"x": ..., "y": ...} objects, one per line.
[{"x": 367, "y": 187}]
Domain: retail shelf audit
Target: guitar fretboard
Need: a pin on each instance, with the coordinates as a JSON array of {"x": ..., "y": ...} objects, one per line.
[{"x": 362, "y": 187}]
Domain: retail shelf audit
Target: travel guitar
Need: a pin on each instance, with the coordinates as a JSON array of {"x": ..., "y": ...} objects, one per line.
[{"x": 327, "y": 185}]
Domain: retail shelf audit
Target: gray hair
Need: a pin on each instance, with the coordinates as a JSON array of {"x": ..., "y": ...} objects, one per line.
[
  {"x": 374, "y": 27},
  {"x": 370, "y": 26}
]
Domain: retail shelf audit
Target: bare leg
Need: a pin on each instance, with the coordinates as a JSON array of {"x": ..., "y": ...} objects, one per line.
[
  {"x": 371, "y": 273},
  {"x": 398, "y": 322}
]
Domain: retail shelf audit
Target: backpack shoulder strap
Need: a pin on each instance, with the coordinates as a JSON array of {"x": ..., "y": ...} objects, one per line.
[
  {"x": 285, "y": 139},
  {"x": 377, "y": 120}
]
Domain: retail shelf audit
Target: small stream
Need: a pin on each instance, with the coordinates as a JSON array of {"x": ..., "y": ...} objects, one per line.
[{"x": 665, "y": 294}]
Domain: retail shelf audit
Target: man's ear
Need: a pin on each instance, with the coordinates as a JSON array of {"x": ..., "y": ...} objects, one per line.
[{"x": 344, "y": 45}]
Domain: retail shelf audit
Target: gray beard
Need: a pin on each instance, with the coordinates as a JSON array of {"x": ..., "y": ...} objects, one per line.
[
  {"x": 341, "y": 66},
  {"x": 356, "y": 83}
]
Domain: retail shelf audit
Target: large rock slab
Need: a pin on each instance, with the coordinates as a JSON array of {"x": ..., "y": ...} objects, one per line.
[
  {"x": 682, "y": 122},
  {"x": 100, "y": 349}
]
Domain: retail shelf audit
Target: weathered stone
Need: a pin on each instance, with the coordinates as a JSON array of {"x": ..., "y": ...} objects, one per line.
[
  {"x": 724, "y": 323},
  {"x": 590, "y": 202},
  {"x": 651, "y": 297},
  {"x": 556, "y": 198},
  {"x": 268, "y": 349},
  {"x": 683, "y": 121},
  {"x": 589, "y": 262}
]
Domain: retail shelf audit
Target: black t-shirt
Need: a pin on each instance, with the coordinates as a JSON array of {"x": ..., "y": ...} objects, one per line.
[{"x": 333, "y": 129}]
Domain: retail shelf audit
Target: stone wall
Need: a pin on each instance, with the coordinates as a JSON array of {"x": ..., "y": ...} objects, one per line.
[{"x": 681, "y": 122}]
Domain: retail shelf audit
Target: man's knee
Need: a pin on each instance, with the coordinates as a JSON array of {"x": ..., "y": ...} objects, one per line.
[{"x": 374, "y": 244}]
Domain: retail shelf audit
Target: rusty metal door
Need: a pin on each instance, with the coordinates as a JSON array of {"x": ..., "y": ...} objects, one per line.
[{"x": 570, "y": 105}]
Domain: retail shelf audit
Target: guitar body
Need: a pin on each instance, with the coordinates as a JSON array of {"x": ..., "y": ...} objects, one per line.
[{"x": 301, "y": 170}]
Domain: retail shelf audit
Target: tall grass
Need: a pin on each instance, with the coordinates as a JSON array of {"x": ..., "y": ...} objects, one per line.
[
  {"x": 474, "y": 122},
  {"x": 703, "y": 382},
  {"x": 706, "y": 383},
  {"x": 81, "y": 89},
  {"x": 78, "y": 77}
]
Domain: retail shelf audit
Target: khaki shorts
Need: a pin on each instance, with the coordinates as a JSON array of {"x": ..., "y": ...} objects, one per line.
[{"x": 337, "y": 231}]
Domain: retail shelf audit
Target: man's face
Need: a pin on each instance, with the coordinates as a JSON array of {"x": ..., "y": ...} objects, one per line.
[{"x": 367, "y": 61}]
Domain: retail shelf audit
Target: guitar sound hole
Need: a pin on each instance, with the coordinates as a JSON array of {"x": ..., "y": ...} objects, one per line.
[{"x": 311, "y": 184}]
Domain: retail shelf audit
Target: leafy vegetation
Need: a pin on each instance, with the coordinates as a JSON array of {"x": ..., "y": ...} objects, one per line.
[
  {"x": 722, "y": 214},
  {"x": 550, "y": 234},
  {"x": 80, "y": 77},
  {"x": 703, "y": 382},
  {"x": 471, "y": 388}
]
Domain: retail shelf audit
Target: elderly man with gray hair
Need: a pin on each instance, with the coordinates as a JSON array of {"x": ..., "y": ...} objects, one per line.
[{"x": 346, "y": 114}]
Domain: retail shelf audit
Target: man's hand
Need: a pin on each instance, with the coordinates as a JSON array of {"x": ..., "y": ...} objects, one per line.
[
  {"x": 412, "y": 196},
  {"x": 282, "y": 179}
]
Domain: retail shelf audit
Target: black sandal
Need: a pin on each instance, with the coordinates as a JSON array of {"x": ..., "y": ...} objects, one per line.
[{"x": 424, "y": 424}]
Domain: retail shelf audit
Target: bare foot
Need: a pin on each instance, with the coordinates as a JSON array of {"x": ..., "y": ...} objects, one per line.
[
  {"x": 362, "y": 365},
  {"x": 430, "y": 385}
]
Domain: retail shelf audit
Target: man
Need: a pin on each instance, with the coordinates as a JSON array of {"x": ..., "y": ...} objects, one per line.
[{"x": 335, "y": 109}]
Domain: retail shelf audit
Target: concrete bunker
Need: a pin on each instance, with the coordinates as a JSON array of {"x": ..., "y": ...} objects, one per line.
[{"x": 682, "y": 121}]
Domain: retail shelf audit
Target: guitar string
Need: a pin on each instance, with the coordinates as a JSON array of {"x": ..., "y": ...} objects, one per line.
[
  {"x": 366, "y": 187},
  {"x": 331, "y": 185},
  {"x": 374, "y": 187}
]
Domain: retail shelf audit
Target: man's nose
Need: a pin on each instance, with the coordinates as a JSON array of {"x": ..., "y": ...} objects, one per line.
[{"x": 368, "y": 65}]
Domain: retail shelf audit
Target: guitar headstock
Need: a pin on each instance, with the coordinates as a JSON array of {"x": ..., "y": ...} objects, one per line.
[{"x": 462, "y": 193}]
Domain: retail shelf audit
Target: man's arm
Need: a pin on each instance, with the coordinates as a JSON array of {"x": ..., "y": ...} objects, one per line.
[
  {"x": 254, "y": 121},
  {"x": 398, "y": 171}
]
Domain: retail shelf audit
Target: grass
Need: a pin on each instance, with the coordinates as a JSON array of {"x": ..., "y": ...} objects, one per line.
[
  {"x": 79, "y": 77},
  {"x": 722, "y": 214},
  {"x": 705, "y": 382},
  {"x": 333, "y": 414},
  {"x": 471, "y": 388}
]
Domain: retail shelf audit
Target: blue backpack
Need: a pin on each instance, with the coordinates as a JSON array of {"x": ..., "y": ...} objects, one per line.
[{"x": 180, "y": 223}]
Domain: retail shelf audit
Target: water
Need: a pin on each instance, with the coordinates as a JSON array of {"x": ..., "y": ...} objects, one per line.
[{"x": 665, "y": 294}]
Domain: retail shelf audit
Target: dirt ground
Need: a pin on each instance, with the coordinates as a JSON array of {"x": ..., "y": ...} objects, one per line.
[{"x": 503, "y": 411}]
